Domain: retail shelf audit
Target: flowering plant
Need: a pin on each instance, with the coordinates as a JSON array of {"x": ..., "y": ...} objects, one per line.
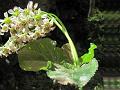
[
  {"x": 63, "y": 65},
  {"x": 24, "y": 26}
]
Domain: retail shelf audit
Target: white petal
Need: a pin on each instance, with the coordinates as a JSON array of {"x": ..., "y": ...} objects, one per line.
[
  {"x": 23, "y": 30},
  {"x": 30, "y": 5},
  {"x": 44, "y": 16},
  {"x": 30, "y": 25},
  {"x": 1, "y": 20},
  {"x": 36, "y": 5},
  {"x": 45, "y": 20},
  {"x": 15, "y": 8},
  {"x": 37, "y": 28},
  {"x": 1, "y": 33},
  {"x": 39, "y": 10},
  {"x": 20, "y": 9},
  {"x": 10, "y": 11},
  {"x": 6, "y": 14}
]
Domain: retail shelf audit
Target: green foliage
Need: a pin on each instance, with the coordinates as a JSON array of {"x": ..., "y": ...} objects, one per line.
[
  {"x": 76, "y": 75},
  {"x": 66, "y": 73},
  {"x": 24, "y": 26},
  {"x": 96, "y": 16},
  {"x": 36, "y": 54},
  {"x": 86, "y": 58},
  {"x": 61, "y": 26},
  {"x": 27, "y": 26},
  {"x": 111, "y": 15}
]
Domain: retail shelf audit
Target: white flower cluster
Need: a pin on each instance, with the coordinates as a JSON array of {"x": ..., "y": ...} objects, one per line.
[{"x": 24, "y": 26}]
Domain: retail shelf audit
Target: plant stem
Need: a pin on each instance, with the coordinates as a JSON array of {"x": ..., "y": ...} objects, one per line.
[{"x": 61, "y": 26}]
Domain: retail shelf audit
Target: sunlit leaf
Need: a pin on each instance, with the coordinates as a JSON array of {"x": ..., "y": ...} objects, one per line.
[
  {"x": 79, "y": 76},
  {"x": 86, "y": 58}
]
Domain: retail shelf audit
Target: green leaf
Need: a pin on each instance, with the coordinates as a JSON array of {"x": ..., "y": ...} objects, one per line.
[
  {"x": 86, "y": 58},
  {"x": 35, "y": 55},
  {"x": 79, "y": 76}
]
